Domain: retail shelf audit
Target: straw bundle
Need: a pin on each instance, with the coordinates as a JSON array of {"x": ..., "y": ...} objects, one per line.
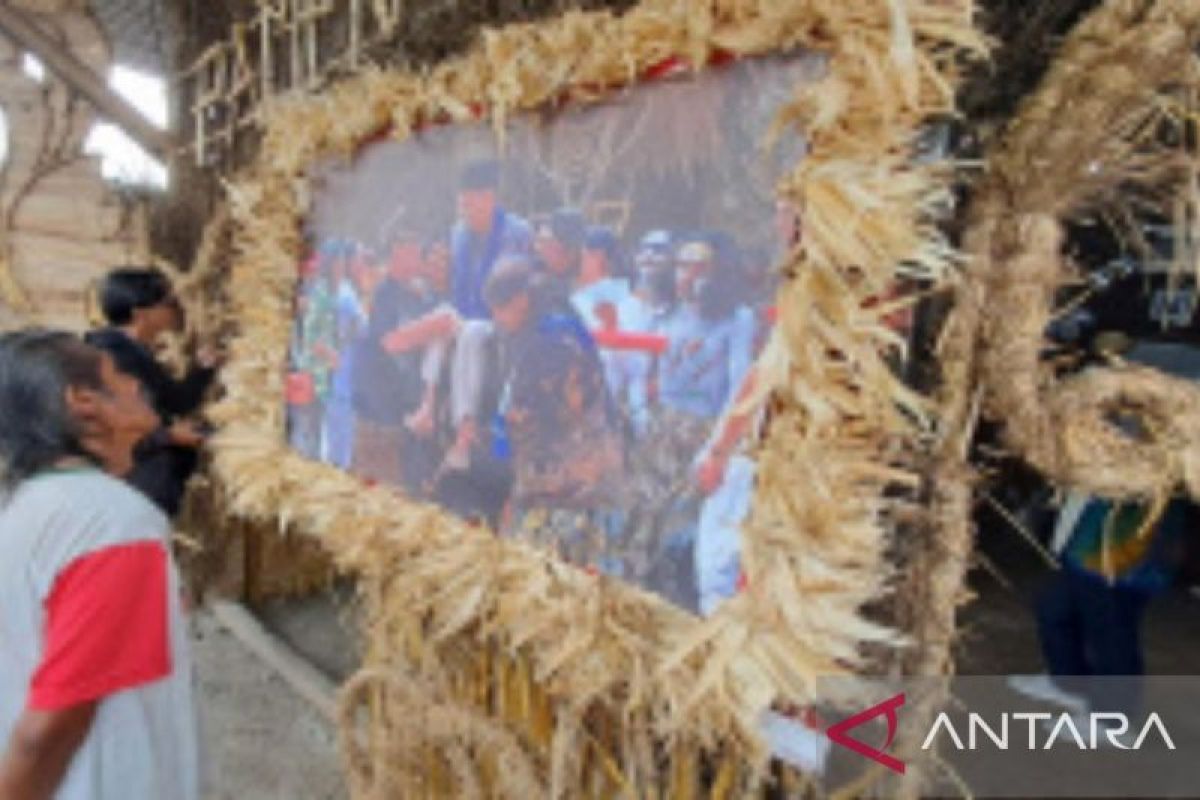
[
  {"x": 613, "y": 687},
  {"x": 1107, "y": 128}
]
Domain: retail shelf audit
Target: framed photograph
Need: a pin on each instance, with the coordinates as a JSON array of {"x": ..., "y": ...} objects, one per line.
[
  {"x": 583, "y": 351},
  {"x": 549, "y": 333}
]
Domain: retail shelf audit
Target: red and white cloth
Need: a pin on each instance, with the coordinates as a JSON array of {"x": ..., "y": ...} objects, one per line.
[{"x": 90, "y": 610}]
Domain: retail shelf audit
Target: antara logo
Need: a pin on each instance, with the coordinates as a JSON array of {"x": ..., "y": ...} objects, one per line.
[
  {"x": 838, "y": 733},
  {"x": 1111, "y": 725}
]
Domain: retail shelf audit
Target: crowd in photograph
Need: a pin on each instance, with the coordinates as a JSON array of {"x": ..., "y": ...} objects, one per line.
[{"x": 549, "y": 377}]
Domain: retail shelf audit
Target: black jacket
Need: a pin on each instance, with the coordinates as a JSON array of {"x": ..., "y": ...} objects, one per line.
[
  {"x": 160, "y": 469},
  {"x": 170, "y": 398}
]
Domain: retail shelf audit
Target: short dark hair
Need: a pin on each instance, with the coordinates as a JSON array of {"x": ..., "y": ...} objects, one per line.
[
  {"x": 126, "y": 289},
  {"x": 569, "y": 227},
  {"x": 512, "y": 276},
  {"x": 36, "y": 428},
  {"x": 484, "y": 174},
  {"x": 604, "y": 239}
]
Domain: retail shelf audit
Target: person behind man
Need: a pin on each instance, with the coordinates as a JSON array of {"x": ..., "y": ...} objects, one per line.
[
  {"x": 140, "y": 307},
  {"x": 95, "y": 675},
  {"x": 558, "y": 419},
  {"x": 483, "y": 234}
]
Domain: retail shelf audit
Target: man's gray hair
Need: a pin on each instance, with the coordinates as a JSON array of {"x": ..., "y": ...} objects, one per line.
[{"x": 37, "y": 429}]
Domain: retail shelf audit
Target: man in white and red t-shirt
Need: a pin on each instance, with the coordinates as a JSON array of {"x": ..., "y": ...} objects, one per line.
[{"x": 95, "y": 675}]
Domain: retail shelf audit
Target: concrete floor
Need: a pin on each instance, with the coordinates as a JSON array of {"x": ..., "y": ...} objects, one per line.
[
  {"x": 262, "y": 742},
  {"x": 266, "y": 743},
  {"x": 322, "y": 629}
]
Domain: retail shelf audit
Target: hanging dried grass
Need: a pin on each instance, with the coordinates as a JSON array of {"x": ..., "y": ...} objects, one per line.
[
  {"x": 594, "y": 667},
  {"x": 428, "y": 726},
  {"x": 1091, "y": 136}
]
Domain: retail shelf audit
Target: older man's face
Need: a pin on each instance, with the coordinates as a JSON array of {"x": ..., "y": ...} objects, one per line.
[{"x": 116, "y": 416}]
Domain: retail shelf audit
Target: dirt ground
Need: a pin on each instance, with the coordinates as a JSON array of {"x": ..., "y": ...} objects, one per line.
[{"x": 262, "y": 741}]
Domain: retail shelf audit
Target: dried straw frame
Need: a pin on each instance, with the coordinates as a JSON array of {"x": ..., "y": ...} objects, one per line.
[
  {"x": 837, "y": 472},
  {"x": 1088, "y": 138}
]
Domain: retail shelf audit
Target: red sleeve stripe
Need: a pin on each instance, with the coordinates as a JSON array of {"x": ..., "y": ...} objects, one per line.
[{"x": 106, "y": 627}]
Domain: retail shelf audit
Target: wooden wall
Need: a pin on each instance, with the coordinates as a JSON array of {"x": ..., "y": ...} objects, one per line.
[{"x": 61, "y": 226}]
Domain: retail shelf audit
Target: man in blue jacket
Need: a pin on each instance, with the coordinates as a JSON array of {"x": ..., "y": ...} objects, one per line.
[{"x": 483, "y": 234}]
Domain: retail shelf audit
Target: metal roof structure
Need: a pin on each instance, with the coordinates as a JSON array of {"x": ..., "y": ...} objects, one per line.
[{"x": 139, "y": 30}]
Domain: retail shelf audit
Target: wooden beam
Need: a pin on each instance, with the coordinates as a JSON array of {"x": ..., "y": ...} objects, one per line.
[{"x": 27, "y": 35}]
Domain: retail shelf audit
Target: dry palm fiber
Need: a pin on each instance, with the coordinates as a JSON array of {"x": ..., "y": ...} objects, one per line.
[
  {"x": 284, "y": 564},
  {"x": 199, "y": 290},
  {"x": 462, "y": 738},
  {"x": 1090, "y": 138},
  {"x": 837, "y": 466}
]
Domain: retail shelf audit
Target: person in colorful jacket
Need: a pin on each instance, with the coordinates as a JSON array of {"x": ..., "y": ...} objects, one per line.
[
  {"x": 559, "y": 424},
  {"x": 1115, "y": 557},
  {"x": 314, "y": 350}
]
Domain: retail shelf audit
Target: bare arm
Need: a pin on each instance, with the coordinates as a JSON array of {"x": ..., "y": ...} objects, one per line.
[
  {"x": 739, "y": 420},
  {"x": 730, "y": 431},
  {"x": 40, "y": 749},
  {"x": 438, "y": 325}
]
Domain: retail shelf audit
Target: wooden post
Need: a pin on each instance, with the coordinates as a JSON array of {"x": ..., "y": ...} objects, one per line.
[
  {"x": 240, "y": 100},
  {"x": 355, "y": 32},
  {"x": 308, "y": 14},
  {"x": 296, "y": 77},
  {"x": 77, "y": 75},
  {"x": 199, "y": 89},
  {"x": 268, "y": 12}
]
